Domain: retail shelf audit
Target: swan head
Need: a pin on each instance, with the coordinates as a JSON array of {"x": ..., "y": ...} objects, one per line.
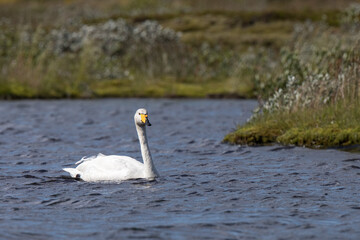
[{"x": 141, "y": 117}]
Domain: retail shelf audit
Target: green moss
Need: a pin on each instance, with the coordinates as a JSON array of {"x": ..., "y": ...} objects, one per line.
[
  {"x": 252, "y": 135},
  {"x": 166, "y": 88},
  {"x": 330, "y": 126},
  {"x": 327, "y": 136},
  {"x": 312, "y": 137}
]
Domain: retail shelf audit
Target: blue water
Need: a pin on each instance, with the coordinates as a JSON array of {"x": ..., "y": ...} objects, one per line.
[{"x": 207, "y": 190}]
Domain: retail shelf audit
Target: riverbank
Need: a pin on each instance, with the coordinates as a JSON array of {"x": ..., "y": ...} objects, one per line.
[
  {"x": 87, "y": 49},
  {"x": 132, "y": 89},
  {"x": 315, "y": 102},
  {"x": 331, "y": 126}
]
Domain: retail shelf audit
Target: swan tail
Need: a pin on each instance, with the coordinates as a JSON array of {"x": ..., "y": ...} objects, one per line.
[{"x": 73, "y": 172}]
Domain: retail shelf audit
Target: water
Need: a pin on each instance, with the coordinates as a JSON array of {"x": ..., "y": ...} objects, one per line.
[{"x": 207, "y": 190}]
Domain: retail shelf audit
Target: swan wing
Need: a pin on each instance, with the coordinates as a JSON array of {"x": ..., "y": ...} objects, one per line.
[
  {"x": 83, "y": 159},
  {"x": 110, "y": 168}
]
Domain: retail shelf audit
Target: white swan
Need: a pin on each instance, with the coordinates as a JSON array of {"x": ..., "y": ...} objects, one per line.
[{"x": 118, "y": 168}]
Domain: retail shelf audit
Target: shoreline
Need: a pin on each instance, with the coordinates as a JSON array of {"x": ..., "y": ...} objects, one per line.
[{"x": 327, "y": 127}]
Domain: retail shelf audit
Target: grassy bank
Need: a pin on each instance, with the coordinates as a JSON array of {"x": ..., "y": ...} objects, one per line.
[
  {"x": 315, "y": 91},
  {"x": 331, "y": 126},
  {"x": 157, "y": 48}
]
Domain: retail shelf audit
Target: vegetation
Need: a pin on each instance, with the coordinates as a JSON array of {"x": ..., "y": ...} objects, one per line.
[
  {"x": 299, "y": 58},
  {"x": 332, "y": 126},
  {"x": 315, "y": 99},
  {"x": 180, "y": 48}
]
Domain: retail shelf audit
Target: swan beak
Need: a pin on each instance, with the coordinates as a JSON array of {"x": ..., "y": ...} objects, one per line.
[
  {"x": 144, "y": 119},
  {"x": 147, "y": 122}
]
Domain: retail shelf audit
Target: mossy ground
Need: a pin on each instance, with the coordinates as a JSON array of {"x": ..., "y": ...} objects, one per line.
[
  {"x": 231, "y": 29},
  {"x": 331, "y": 126},
  {"x": 131, "y": 88}
]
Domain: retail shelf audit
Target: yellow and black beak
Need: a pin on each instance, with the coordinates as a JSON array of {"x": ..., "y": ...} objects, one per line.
[{"x": 144, "y": 119}]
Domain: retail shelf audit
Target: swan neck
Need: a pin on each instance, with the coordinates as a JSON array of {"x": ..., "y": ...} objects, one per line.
[{"x": 150, "y": 170}]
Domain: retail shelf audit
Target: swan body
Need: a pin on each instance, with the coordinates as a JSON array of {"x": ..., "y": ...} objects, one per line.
[{"x": 118, "y": 168}]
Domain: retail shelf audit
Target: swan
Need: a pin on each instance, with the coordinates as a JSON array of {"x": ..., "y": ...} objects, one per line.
[{"x": 119, "y": 168}]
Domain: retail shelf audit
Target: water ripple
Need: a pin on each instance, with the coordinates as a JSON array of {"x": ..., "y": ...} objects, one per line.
[{"x": 207, "y": 190}]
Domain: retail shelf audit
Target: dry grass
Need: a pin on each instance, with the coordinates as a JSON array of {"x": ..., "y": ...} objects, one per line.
[
  {"x": 315, "y": 97},
  {"x": 227, "y": 42}
]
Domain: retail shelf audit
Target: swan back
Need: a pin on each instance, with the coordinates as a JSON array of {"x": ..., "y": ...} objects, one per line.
[{"x": 108, "y": 168}]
